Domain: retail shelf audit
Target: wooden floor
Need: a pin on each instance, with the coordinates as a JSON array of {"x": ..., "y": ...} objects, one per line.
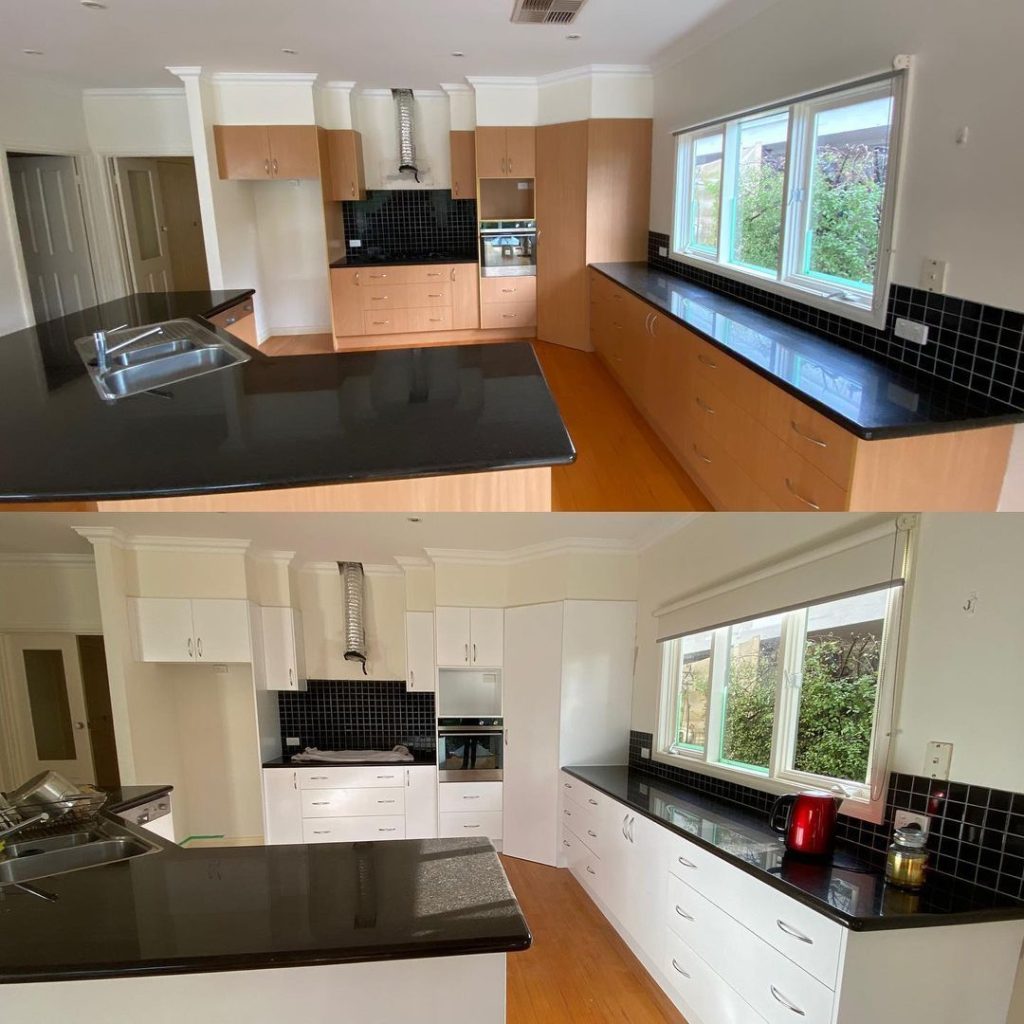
[
  {"x": 621, "y": 464},
  {"x": 578, "y": 971}
]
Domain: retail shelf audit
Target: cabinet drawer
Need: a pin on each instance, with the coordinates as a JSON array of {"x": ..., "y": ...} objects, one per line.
[
  {"x": 406, "y": 296},
  {"x": 470, "y": 797},
  {"x": 387, "y": 321},
  {"x": 429, "y": 273},
  {"x": 584, "y": 823},
  {"x": 341, "y": 803},
  {"x": 483, "y": 823},
  {"x": 729, "y": 484},
  {"x": 582, "y": 861},
  {"x": 791, "y": 481},
  {"x": 365, "y": 777},
  {"x": 353, "y": 830},
  {"x": 508, "y": 314},
  {"x": 706, "y": 996},
  {"x": 227, "y": 318},
  {"x": 508, "y": 289},
  {"x": 437, "y": 319}
]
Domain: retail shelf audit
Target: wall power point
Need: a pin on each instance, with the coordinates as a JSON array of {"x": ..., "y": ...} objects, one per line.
[
  {"x": 645, "y": 753},
  {"x": 908, "y": 330},
  {"x": 293, "y": 741},
  {"x": 904, "y": 818}
]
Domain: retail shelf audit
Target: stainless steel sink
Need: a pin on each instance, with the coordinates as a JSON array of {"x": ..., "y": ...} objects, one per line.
[{"x": 167, "y": 353}]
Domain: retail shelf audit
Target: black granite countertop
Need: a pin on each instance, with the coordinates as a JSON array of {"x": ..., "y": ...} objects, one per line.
[
  {"x": 356, "y": 260},
  {"x": 124, "y": 798},
  {"x": 420, "y": 757},
  {"x": 846, "y": 888},
  {"x": 268, "y": 423},
  {"x": 865, "y": 396},
  {"x": 240, "y": 908}
]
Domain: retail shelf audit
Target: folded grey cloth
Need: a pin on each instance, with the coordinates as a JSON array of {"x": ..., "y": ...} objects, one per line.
[{"x": 313, "y": 756}]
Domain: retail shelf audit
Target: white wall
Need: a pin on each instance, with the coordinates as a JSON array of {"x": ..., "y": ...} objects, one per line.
[
  {"x": 137, "y": 122},
  {"x": 509, "y": 101},
  {"x": 594, "y": 93},
  {"x": 52, "y": 594}
]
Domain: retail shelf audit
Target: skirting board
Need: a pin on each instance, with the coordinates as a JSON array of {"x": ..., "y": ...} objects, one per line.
[{"x": 365, "y": 343}]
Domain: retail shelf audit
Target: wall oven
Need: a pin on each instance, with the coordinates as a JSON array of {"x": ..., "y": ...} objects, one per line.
[
  {"x": 508, "y": 248},
  {"x": 470, "y": 749}
]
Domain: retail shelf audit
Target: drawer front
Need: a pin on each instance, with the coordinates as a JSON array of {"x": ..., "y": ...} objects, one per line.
[
  {"x": 792, "y": 482},
  {"x": 369, "y": 777},
  {"x": 483, "y": 823},
  {"x": 705, "y": 994},
  {"x": 508, "y": 289},
  {"x": 584, "y": 823},
  {"x": 508, "y": 314},
  {"x": 227, "y": 318},
  {"x": 386, "y": 321},
  {"x": 343, "y": 803},
  {"x": 470, "y": 797},
  {"x": 436, "y": 319},
  {"x": 352, "y": 830},
  {"x": 584, "y": 864},
  {"x": 371, "y": 276},
  {"x": 406, "y": 296},
  {"x": 773, "y": 985},
  {"x": 585, "y": 796},
  {"x": 430, "y": 274},
  {"x": 712, "y": 464},
  {"x": 713, "y": 365}
]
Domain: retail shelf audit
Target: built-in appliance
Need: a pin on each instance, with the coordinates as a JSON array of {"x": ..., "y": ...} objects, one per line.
[
  {"x": 468, "y": 693},
  {"x": 470, "y": 749},
  {"x": 508, "y": 248},
  {"x": 154, "y": 815},
  {"x": 807, "y": 820}
]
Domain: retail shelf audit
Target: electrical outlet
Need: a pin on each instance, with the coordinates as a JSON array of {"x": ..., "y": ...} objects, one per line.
[
  {"x": 662, "y": 250},
  {"x": 904, "y": 818},
  {"x": 293, "y": 741},
  {"x": 355, "y": 243},
  {"x": 937, "y": 760},
  {"x": 645, "y": 753},
  {"x": 933, "y": 276},
  {"x": 908, "y": 330}
]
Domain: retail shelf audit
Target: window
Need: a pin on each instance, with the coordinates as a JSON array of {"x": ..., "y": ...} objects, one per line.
[
  {"x": 797, "y": 198},
  {"x": 795, "y": 698}
]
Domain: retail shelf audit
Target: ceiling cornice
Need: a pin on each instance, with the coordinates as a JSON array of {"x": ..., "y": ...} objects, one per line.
[
  {"x": 94, "y": 534},
  {"x": 265, "y": 77},
  {"x": 531, "y": 552},
  {"x": 45, "y": 558},
  {"x": 271, "y": 557},
  {"x": 331, "y": 569},
  {"x": 585, "y": 71},
  {"x": 175, "y": 91}
]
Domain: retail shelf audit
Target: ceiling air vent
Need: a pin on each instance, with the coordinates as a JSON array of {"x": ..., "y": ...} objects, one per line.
[{"x": 546, "y": 12}]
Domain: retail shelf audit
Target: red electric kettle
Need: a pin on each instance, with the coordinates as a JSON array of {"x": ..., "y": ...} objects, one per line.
[{"x": 807, "y": 820}]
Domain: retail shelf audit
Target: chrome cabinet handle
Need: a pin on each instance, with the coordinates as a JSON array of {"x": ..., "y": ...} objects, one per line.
[
  {"x": 700, "y": 455},
  {"x": 796, "y": 494},
  {"x": 509, "y": 316},
  {"x": 385, "y": 776},
  {"x": 470, "y": 826},
  {"x": 565, "y": 842},
  {"x": 379, "y": 298},
  {"x": 568, "y": 785},
  {"x": 474, "y": 654},
  {"x": 353, "y": 187},
  {"x": 408, "y": 777},
  {"x": 266, "y": 168},
  {"x": 593, "y": 835},
  {"x": 318, "y": 778},
  {"x": 377, "y": 277},
  {"x": 392, "y": 829},
  {"x": 471, "y": 797},
  {"x": 807, "y": 437},
  {"x": 780, "y": 998},
  {"x": 357, "y": 278},
  {"x": 275, "y": 166},
  {"x": 591, "y": 800},
  {"x": 451, "y": 274},
  {"x": 434, "y": 273},
  {"x": 230, "y": 320},
  {"x": 647, "y": 323},
  {"x": 291, "y": 677},
  {"x": 199, "y": 646},
  {"x": 567, "y": 812},
  {"x": 321, "y": 832},
  {"x": 590, "y": 870},
  {"x": 704, "y": 405},
  {"x": 680, "y": 970},
  {"x": 385, "y": 801},
  {"x": 435, "y": 296},
  {"x": 707, "y": 362},
  {"x": 465, "y": 653},
  {"x": 683, "y": 914},
  {"x": 507, "y": 291},
  {"x": 190, "y": 647},
  {"x": 295, "y": 780},
  {"x": 625, "y": 835},
  {"x": 321, "y": 803},
  {"x": 687, "y": 863},
  {"x": 632, "y": 825},
  {"x": 794, "y": 932}
]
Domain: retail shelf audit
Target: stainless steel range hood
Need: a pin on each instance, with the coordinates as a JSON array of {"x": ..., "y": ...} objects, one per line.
[{"x": 406, "y": 113}]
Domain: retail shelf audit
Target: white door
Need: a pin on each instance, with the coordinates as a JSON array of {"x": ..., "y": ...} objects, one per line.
[
  {"x": 645, "y": 885},
  {"x": 49, "y": 703},
  {"x": 145, "y": 225},
  {"x": 221, "y": 630},
  {"x": 51, "y": 224},
  {"x": 419, "y": 651},
  {"x": 532, "y": 697},
  {"x": 163, "y": 628},
  {"x": 282, "y": 807},
  {"x": 279, "y": 661},
  {"x": 421, "y": 802},
  {"x": 487, "y": 637},
  {"x": 452, "y": 627}
]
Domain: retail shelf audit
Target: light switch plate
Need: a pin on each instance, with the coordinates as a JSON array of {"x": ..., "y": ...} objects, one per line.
[
  {"x": 662, "y": 250},
  {"x": 938, "y": 758},
  {"x": 933, "y": 276}
]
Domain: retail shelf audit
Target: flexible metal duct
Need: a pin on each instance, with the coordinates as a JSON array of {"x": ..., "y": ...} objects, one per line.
[
  {"x": 405, "y": 106},
  {"x": 353, "y": 595}
]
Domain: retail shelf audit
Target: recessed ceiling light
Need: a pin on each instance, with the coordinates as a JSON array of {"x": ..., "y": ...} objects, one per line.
[
  {"x": 93, "y": 5},
  {"x": 33, "y": 53},
  {"x": 290, "y": 52},
  {"x": 458, "y": 53}
]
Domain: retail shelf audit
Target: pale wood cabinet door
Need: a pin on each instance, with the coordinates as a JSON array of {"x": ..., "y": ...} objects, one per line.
[
  {"x": 348, "y": 176},
  {"x": 465, "y": 296},
  {"x": 521, "y": 152},
  {"x": 463, "y": 150},
  {"x": 293, "y": 151},
  {"x": 491, "y": 152},
  {"x": 243, "y": 151},
  {"x": 346, "y": 303}
]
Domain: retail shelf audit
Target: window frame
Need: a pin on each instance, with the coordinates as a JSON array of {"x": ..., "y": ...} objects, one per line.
[
  {"x": 790, "y": 281},
  {"x": 865, "y": 801}
]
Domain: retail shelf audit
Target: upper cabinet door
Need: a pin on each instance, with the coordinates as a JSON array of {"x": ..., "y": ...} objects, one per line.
[
  {"x": 162, "y": 629},
  {"x": 453, "y": 645},
  {"x": 463, "y": 149},
  {"x": 243, "y": 151},
  {"x": 222, "y": 630},
  {"x": 491, "y": 152},
  {"x": 521, "y": 152},
  {"x": 282, "y": 649},
  {"x": 348, "y": 176},
  {"x": 487, "y": 637},
  {"x": 419, "y": 651},
  {"x": 293, "y": 151}
]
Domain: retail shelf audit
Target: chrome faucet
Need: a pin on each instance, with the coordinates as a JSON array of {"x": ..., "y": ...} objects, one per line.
[
  {"x": 35, "y": 819},
  {"x": 104, "y": 350}
]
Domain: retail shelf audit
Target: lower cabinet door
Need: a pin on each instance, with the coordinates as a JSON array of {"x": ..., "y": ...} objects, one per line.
[
  {"x": 421, "y": 802},
  {"x": 352, "y": 830},
  {"x": 705, "y": 997},
  {"x": 282, "y": 807},
  {"x": 483, "y": 823}
]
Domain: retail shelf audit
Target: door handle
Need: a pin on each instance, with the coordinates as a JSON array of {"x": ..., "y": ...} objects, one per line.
[
  {"x": 687, "y": 863},
  {"x": 700, "y": 455},
  {"x": 794, "y": 932},
  {"x": 474, "y": 654},
  {"x": 199, "y": 646},
  {"x": 79, "y": 725},
  {"x": 679, "y": 969},
  {"x": 275, "y": 167},
  {"x": 654, "y": 323},
  {"x": 266, "y": 168},
  {"x": 291, "y": 679},
  {"x": 466, "y": 653},
  {"x": 799, "y": 497},
  {"x": 190, "y": 647},
  {"x": 683, "y": 914}
]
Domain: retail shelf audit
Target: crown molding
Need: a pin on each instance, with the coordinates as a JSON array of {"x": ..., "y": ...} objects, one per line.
[
  {"x": 331, "y": 569},
  {"x": 596, "y": 71},
  {"x": 265, "y": 77},
  {"x": 175, "y": 91},
  {"x": 413, "y": 562},
  {"x": 206, "y": 545},
  {"x": 45, "y": 558},
  {"x": 502, "y": 81},
  {"x": 336, "y": 86},
  {"x": 662, "y": 531},
  {"x": 531, "y": 552},
  {"x": 456, "y": 88},
  {"x": 93, "y": 534},
  {"x": 271, "y": 557},
  {"x": 186, "y": 71}
]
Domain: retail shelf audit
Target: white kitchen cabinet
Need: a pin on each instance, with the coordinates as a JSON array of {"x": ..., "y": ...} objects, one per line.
[
  {"x": 352, "y": 803},
  {"x": 283, "y": 665},
  {"x": 470, "y": 637},
  {"x": 190, "y": 630},
  {"x": 421, "y": 802},
  {"x": 282, "y": 808},
  {"x": 353, "y": 830},
  {"x": 473, "y": 823},
  {"x": 420, "y": 669},
  {"x": 463, "y": 797}
]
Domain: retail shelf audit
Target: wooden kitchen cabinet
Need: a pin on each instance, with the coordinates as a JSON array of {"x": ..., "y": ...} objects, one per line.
[
  {"x": 239, "y": 320},
  {"x": 506, "y": 152},
  {"x": 348, "y": 175},
  {"x": 463, "y": 155},
  {"x": 266, "y": 152},
  {"x": 465, "y": 296}
]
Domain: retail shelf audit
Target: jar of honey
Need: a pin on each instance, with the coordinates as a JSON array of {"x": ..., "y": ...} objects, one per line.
[{"x": 907, "y": 859}]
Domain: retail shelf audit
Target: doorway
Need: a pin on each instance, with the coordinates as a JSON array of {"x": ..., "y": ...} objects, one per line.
[
  {"x": 60, "y": 707},
  {"x": 160, "y": 221},
  {"x": 47, "y": 192}
]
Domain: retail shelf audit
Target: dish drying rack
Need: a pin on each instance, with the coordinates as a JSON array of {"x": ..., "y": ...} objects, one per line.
[{"x": 69, "y": 813}]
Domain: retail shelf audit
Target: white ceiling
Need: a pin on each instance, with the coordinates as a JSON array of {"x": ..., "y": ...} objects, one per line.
[
  {"x": 380, "y": 43},
  {"x": 324, "y": 537}
]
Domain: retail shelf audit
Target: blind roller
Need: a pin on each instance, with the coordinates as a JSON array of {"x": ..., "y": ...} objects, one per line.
[{"x": 860, "y": 562}]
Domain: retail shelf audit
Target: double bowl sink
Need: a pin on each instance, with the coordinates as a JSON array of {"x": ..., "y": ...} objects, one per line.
[{"x": 165, "y": 354}]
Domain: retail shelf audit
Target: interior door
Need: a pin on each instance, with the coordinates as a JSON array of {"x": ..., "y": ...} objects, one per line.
[
  {"x": 49, "y": 705},
  {"x": 184, "y": 222},
  {"x": 145, "y": 224},
  {"x": 54, "y": 244}
]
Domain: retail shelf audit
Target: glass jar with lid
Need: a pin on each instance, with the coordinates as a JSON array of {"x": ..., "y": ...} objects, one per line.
[{"x": 907, "y": 859}]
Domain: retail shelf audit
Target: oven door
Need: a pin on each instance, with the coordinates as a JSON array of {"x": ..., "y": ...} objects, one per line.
[
  {"x": 474, "y": 754},
  {"x": 508, "y": 252}
]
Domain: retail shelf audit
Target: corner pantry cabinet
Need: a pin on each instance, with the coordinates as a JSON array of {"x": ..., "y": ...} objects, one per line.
[
  {"x": 470, "y": 637},
  {"x": 190, "y": 630}
]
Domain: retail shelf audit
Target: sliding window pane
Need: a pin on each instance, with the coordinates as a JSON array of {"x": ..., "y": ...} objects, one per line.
[
  {"x": 848, "y": 180},
  {"x": 706, "y": 193},
  {"x": 749, "y": 708},
  {"x": 692, "y": 692},
  {"x": 756, "y": 238},
  {"x": 839, "y": 686}
]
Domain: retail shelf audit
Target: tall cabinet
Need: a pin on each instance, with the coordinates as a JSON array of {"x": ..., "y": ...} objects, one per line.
[{"x": 568, "y": 683}]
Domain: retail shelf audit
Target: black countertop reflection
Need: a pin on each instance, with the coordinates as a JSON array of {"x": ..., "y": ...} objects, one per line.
[
  {"x": 269, "y": 423},
  {"x": 124, "y": 798},
  {"x": 355, "y": 261},
  {"x": 867, "y": 397},
  {"x": 238, "y": 908},
  {"x": 846, "y": 887}
]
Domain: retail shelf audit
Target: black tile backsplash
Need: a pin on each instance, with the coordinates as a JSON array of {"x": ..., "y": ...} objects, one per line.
[
  {"x": 413, "y": 221},
  {"x": 357, "y": 715},
  {"x": 977, "y": 833},
  {"x": 978, "y": 347}
]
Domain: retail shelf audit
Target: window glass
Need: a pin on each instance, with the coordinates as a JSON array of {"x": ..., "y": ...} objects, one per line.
[
  {"x": 839, "y": 686},
  {"x": 850, "y": 164},
  {"x": 758, "y": 194},
  {"x": 706, "y": 193},
  {"x": 752, "y": 671},
  {"x": 692, "y": 693}
]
